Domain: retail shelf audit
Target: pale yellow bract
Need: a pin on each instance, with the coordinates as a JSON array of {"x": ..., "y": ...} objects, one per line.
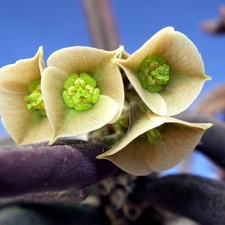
[
  {"x": 187, "y": 75},
  {"x": 135, "y": 154},
  {"x": 25, "y": 126},
  {"x": 97, "y": 63}
]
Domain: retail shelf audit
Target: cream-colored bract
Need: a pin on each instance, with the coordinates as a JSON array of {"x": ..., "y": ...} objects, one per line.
[
  {"x": 100, "y": 65},
  {"x": 135, "y": 154},
  {"x": 187, "y": 74},
  {"x": 24, "y": 125}
]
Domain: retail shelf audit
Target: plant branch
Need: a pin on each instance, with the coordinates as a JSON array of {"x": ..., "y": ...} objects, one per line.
[
  {"x": 215, "y": 26},
  {"x": 42, "y": 168},
  {"x": 101, "y": 23},
  {"x": 200, "y": 199},
  {"x": 213, "y": 101}
]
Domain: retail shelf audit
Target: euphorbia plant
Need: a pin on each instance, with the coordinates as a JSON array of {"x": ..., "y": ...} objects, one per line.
[{"x": 81, "y": 90}]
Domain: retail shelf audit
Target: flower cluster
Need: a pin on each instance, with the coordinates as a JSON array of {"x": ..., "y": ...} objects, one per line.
[
  {"x": 66, "y": 98},
  {"x": 81, "y": 90}
]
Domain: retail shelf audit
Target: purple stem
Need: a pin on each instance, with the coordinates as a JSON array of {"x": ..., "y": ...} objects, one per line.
[
  {"x": 43, "y": 168},
  {"x": 200, "y": 199}
]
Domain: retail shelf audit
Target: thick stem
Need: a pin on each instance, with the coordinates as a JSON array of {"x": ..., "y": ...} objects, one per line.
[
  {"x": 197, "y": 198},
  {"x": 43, "y": 168}
]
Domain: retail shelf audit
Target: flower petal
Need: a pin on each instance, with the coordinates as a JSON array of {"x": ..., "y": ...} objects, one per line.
[
  {"x": 127, "y": 153},
  {"x": 98, "y": 63},
  {"x": 153, "y": 100},
  {"x": 25, "y": 126},
  {"x": 68, "y": 122},
  {"x": 135, "y": 154},
  {"x": 131, "y": 158},
  {"x": 76, "y": 123},
  {"x": 140, "y": 123},
  {"x": 130, "y": 66},
  {"x": 15, "y": 78},
  {"x": 148, "y": 48},
  {"x": 180, "y": 139},
  {"x": 186, "y": 71}
]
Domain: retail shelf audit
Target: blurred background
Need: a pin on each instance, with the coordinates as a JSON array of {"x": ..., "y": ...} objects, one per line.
[{"x": 25, "y": 25}]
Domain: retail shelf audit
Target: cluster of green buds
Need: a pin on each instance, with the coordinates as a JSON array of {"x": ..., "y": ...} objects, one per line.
[
  {"x": 81, "y": 92},
  {"x": 153, "y": 73},
  {"x": 35, "y": 98},
  {"x": 153, "y": 135}
]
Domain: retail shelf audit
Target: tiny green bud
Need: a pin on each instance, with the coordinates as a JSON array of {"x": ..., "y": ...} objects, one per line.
[
  {"x": 143, "y": 80},
  {"x": 68, "y": 99},
  {"x": 88, "y": 79},
  {"x": 154, "y": 134},
  {"x": 95, "y": 95},
  {"x": 153, "y": 73},
  {"x": 42, "y": 112},
  {"x": 34, "y": 85},
  {"x": 70, "y": 81},
  {"x": 80, "y": 92},
  {"x": 34, "y": 98},
  {"x": 154, "y": 88},
  {"x": 82, "y": 106}
]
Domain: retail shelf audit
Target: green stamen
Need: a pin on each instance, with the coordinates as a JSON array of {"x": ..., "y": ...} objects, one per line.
[
  {"x": 80, "y": 92},
  {"x": 154, "y": 134},
  {"x": 35, "y": 99},
  {"x": 153, "y": 74}
]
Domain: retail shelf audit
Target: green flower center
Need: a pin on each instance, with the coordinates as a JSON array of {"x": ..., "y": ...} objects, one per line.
[
  {"x": 153, "y": 73},
  {"x": 80, "y": 92},
  {"x": 154, "y": 134},
  {"x": 35, "y": 99}
]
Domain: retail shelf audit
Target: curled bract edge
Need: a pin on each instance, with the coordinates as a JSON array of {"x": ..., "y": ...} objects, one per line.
[
  {"x": 24, "y": 125},
  {"x": 136, "y": 155},
  {"x": 99, "y": 64},
  {"x": 187, "y": 74}
]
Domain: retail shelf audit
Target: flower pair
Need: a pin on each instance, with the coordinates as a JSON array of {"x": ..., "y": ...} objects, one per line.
[
  {"x": 167, "y": 73},
  {"x": 79, "y": 91}
]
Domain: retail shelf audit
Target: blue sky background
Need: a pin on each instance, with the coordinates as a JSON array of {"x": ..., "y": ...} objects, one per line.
[{"x": 25, "y": 25}]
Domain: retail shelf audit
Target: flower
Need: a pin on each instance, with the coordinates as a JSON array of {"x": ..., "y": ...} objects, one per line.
[
  {"x": 167, "y": 72},
  {"x": 83, "y": 90},
  {"x": 153, "y": 142},
  {"x": 21, "y": 103}
]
